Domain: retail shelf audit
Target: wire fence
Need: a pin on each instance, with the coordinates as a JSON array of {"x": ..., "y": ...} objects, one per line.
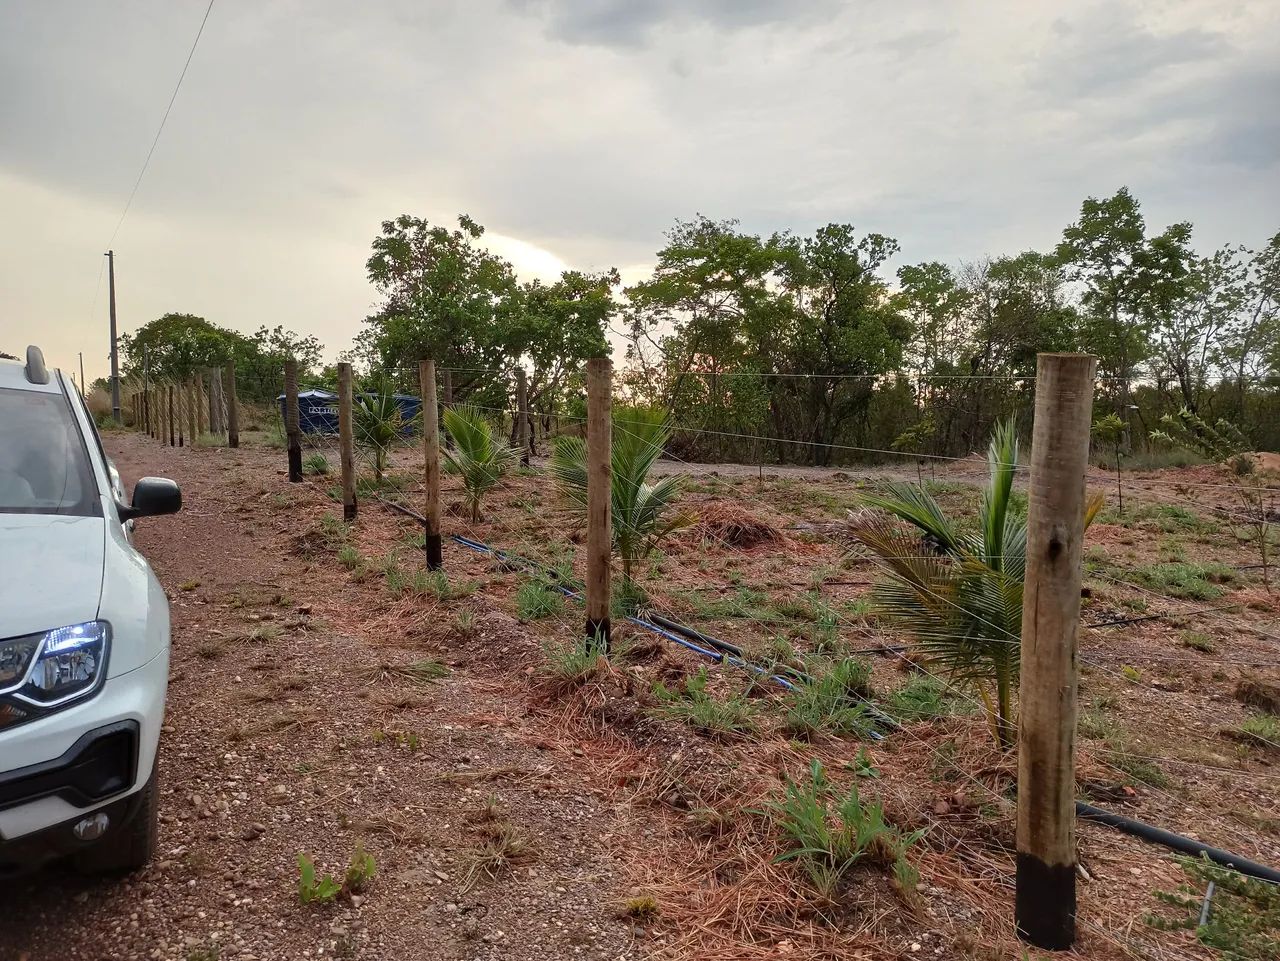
[{"x": 387, "y": 437}]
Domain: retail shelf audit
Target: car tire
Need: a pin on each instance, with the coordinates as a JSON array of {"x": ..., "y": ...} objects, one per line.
[{"x": 131, "y": 847}]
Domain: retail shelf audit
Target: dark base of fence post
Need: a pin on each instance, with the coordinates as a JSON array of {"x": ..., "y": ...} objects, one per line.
[
  {"x": 349, "y": 512},
  {"x": 1045, "y": 903},
  {"x": 434, "y": 546},
  {"x": 598, "y": 633},
  {"x": 295, "y": 464}
]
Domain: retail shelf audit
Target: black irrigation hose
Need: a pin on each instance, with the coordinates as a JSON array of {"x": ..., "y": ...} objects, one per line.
[
  {"x": 1087, "y": 812},
  {"x": 709, "y": 641},
  {"x": 1177, "y": 842}
]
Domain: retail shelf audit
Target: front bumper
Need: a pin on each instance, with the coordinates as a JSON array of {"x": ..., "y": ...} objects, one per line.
[
  {"x": 100, "y": 752},
  {"x": 29, "y": 852}
]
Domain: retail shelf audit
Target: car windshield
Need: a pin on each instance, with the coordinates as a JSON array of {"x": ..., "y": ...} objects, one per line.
[{"x": 44, "y": 468}]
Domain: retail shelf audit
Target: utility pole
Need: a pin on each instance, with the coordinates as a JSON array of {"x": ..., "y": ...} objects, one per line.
[
  {"x": 115, "y": 356},
  {"x": 84, "y": 391}
]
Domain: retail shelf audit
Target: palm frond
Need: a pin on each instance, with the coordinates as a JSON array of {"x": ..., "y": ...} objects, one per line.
[
  {"x": 916, "y": 506},
  {"x": 641, "y": 512},
  {"x": 478, "y": 456}
]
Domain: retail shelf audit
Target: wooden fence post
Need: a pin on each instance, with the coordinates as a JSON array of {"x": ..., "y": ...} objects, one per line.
[
  {"x": 191, "y": 411},
  {"x": 233, "y": 409},
  {"x": 217, "y": 422},
  {"x": 346, "y": 443},
  {"x": 431, "y": 463},
  {"x": 522, "y": 415},
  {"x": 1045, "y": 901},
  {"x": 197, "y": 380},
  {"x": 599, "y": 481},
  {"x": 293, "y": 432},
  {"x": 170, "y": 418}
]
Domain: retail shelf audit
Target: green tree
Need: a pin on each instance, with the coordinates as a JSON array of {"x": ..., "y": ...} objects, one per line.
[
  {"x": 845, "y": 329},
  {"x": 557, "y": 327},
  {"x": 444, "y": 297},
  {"x": 1129, "y": 281}
]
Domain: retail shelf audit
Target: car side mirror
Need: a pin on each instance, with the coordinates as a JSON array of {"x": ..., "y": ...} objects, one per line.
[{"x": 153, "y": 496}]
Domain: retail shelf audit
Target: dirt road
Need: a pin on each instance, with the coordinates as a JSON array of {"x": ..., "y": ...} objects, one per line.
[{"x": 290, "y": 729}]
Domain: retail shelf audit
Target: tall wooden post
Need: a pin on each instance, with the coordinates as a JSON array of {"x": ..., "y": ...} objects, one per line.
[
  {"x": 346, "y": 443},
  {"x": 293, "y": 433},
  {"x": 431, "y": 463},
  {"x": 169, "y": 418},
  {"x": 201, "y": 423},
  {"x": 217, "y": 421},
  {"x": 233, "y": 408},
  {"x": 599, "y": 481},
  {"x": 446, "y": 384},
  {"x": 1045, "y": 904},
  {"x": 191, "y": 405},
  {"x": 522, "y": 416}
]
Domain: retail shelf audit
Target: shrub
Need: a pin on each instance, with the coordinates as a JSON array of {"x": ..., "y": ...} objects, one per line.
[{"x": 1244, "y": 917}]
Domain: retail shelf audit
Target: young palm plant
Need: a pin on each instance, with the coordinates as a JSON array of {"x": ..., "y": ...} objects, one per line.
[
  {"x": 478, "y": 456},
  {"x": 958, "y": 592},
  {"x": 642, "y": 513},
  {"x": 378, "y": 422}
]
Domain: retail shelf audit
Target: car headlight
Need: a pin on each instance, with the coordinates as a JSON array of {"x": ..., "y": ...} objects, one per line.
[{"x": 57, "y": 666}]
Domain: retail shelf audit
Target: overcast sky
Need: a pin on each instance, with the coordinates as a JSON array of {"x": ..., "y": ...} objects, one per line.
[{"x": 577, "y": 131}]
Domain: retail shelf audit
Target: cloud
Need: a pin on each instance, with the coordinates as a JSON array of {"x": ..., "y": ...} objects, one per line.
[
  {"x": 1108, "y": 53},
  {"x": 578, "y": 132},
  {"x": 632, "y": 23}
]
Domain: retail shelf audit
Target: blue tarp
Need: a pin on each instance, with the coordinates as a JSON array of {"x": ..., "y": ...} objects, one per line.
[{"x": 318, "y": 410}]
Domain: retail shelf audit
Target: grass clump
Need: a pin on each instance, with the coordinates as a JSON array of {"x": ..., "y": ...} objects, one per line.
[
  {"x": 570, "y": 664},
  {"x": 1243, "y": 923},
  {"x": 1262, "y": 730},
  {"x": 1198, "y": 641},
  {"x": 828, "y": 833},
  {"x": 923, "y": 698},
  {"x": 349, "y": 557},
  {"x": 315, "y": 464},
  {"x": 833, "y": 702},
  {"x": 504, "y": 847},
  {"x": 421, "y": 671},
  {"x": 536, "y": 600},
  {"x": 692, "y": 704},
  {"x": 1197, "y": 582}
]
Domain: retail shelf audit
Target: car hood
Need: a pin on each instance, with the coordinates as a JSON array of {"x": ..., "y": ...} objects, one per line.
[{"x": 50, "y": 571}]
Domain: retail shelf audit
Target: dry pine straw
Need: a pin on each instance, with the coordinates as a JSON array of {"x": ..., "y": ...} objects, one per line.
[{"x": 724, "y": 896}]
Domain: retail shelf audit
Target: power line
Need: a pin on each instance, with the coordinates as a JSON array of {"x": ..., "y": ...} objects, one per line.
[{"x": 163, "y": 120}]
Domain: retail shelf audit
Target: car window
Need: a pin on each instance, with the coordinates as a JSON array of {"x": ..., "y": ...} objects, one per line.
[{"x": 44, "y": 466}]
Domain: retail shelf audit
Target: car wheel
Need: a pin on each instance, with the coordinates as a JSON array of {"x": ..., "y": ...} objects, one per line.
[{"x": 131, "y": 847}]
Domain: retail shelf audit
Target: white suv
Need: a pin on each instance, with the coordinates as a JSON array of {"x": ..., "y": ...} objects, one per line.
[{"x": 84, "y": 636}]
